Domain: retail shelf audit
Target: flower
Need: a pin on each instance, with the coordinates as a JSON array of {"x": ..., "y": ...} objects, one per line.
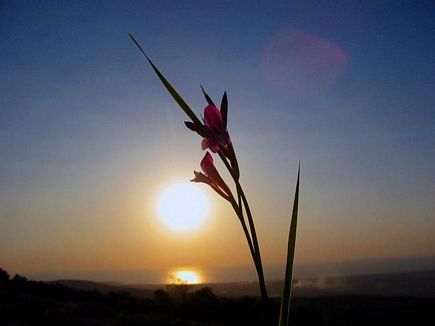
[
  {"x": 210, "y": 176},
  {"x": 213, "y": 131}
]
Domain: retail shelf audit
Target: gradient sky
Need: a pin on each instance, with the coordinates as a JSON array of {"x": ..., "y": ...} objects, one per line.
[{"x": 89, "y": 137}]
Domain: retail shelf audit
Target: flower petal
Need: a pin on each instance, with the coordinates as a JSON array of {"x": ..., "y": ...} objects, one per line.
[
  {"x": 224, "y": 109},
  {"x": 214, "y": 148},
  {"x": 207, "y": 98},
  {"x": 205, "y": 143},
  {"x": 207, "y": 164},
  {"x": 213, "y": 118},
  {"x": 201, "y": 177},
  {"x": 210, "y": 171}
]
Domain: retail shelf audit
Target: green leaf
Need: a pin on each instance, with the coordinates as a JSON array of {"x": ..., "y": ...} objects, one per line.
[
  {"x": 183, "y": 105},
  {"x": 224, "y": 109},
  {"x": 288, "y": 281},
  {"x": 207, "y": 98}
]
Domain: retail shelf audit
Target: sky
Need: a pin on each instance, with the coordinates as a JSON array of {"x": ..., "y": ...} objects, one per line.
[{"x": 89, "y": 138}]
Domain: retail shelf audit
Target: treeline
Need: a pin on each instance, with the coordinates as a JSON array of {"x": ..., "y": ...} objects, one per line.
[{"x": 25, "y": 302}]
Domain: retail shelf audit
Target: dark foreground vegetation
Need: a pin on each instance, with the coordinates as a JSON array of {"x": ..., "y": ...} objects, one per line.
[{"x": 24, "y": 302}]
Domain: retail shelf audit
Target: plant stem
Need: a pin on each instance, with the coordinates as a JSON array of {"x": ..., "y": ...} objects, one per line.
[
  {"x": 260, "y": 272},
  {"x": 251, "y": 238},
  {"x": 239, "y": 213}
]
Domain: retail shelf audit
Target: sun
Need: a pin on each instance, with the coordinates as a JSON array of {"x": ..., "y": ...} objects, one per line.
[
  {"x": 185, "y": 277},
  {"x": 183, "y": 207}
]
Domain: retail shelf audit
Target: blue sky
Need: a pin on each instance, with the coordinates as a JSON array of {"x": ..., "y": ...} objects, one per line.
[{"x": 87, "y": 132}]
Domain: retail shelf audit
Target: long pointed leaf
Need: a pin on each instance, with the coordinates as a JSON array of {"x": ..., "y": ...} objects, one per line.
[
  {"x": 207, "y": 98},
  {"x": 288, "y": 281},
  {"x": 184, "y": 106}
]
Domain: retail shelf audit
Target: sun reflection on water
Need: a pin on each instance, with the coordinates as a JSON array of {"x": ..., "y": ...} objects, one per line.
[{"x": 185, "y": 276}]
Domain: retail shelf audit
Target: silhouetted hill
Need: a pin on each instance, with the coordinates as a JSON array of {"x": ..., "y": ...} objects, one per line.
[
  {"x": 136, "y": 291},
  {"x": 409, "y": 284},
  {"x": 24, "y": 302}
]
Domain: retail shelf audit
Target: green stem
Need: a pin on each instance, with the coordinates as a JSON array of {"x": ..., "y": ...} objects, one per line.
[
  {"x": 263, "y": 290},
  {"x": 239, "y": 213},
  {"x": 256, "y": 256}
]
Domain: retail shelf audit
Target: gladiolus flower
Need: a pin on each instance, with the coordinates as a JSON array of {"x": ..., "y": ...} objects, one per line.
[
  {"x": 210, "y": 176},
  {"x": 213, "y": 131}
]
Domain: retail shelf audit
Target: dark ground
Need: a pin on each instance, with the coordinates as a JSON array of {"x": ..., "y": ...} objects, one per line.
[{"x": 24, "y": 302}]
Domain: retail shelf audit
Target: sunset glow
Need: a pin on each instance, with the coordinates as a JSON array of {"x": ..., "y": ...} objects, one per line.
[{"x": 96, "y": 156}]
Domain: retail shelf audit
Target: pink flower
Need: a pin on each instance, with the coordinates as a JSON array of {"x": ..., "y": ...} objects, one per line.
[
  {"x": 210, "y": 176},
  {"x": 213, "y": 131}
]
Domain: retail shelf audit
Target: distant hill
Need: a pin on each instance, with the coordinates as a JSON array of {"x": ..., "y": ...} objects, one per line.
[
  {"x": 408, "y": 284},
  {"x": 135, "y": 290}
]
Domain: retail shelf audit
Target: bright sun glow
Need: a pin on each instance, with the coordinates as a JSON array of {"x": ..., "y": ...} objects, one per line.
[
  {"x": 186, "y": 277},
  {"x": 183, "y": 207}
]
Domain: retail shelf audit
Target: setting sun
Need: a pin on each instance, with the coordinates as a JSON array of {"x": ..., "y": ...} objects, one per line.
[
  {"x": 185, "y": 277},
  {"x": 183, "y": 207}
]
